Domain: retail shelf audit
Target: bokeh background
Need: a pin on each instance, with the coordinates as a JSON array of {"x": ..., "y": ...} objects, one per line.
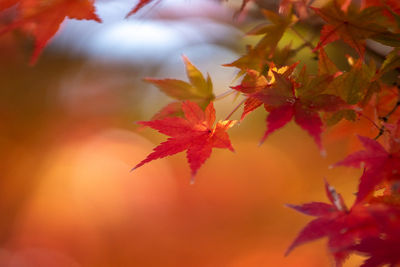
[{"x": 68, "y": 141}]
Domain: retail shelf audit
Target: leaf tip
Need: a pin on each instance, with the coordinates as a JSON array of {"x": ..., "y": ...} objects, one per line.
[
  {"x": 263, "y": 139},
  {"x": 289, "y": 205},
  {"x": 192, "y": 179},
  {"x": 287, "y": 252},
  {"x": 143, "y": 123},
  {"x": 184, "y": 57}
]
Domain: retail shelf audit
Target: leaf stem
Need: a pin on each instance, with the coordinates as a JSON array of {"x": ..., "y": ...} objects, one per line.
[
  {"x": 223, "y": 95},
  {"x": 234, "y": 110}
]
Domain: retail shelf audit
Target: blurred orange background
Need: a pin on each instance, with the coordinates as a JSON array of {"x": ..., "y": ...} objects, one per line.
[{"x": 68, "y": 142}]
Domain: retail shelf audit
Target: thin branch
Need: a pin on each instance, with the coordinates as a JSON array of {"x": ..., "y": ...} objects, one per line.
[
  {"x": 386, "y": 117},
  {"x": 381, "y": 129},
  {"x": 370, "y": 120}
]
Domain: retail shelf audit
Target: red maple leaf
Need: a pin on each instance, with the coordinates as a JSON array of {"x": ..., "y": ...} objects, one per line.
[
  {"x": 42, "y": 18},
  {"x": 194, "y": 133},
  {"x": 354, "y": 26},
  {"x": 343, "y": 227},
  {"x": 286, "y": 99},
  {"x": 380, "y": 165},
  {"x": 384, "y": 248},
  {"x": 381, "y": 251}
]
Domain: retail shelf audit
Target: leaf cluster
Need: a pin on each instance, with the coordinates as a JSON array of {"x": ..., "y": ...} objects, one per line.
[{"x": 287, "y": 90}]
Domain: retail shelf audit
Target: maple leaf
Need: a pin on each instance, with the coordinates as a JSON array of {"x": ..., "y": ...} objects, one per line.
[
  {"x": 194, "y": 133},
  {"x": 286, "y": 99},
  {"x": 380, "y": 165},
  {"x": 384, "y": 248},
  {"x": 362, "y": 116},
  {"x": 257, "y": 57},
  {"x": 356, "y": 85},
  {"x": 198, "y": 89},
  {"x": 254, "y": 59},
  {"x": 42, "y": 18},
  {"x": 254, "y": 82},
  {"x": 272, "y": 31},
  {"x": 381, "y": 251},
  {"x": 354, "y": 27},
  {"x": 336, "y": 117},
  {"x": 343, "y": 227},
  {"x": 325, "y": 64}
]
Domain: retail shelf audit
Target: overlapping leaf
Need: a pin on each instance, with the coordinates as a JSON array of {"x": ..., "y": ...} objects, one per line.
[
  {"x": 198, "y": 89},
  {"x": 354, "y": 27},
  {"x": 42, "y": 18},
  {"x": 271, "y": 32},
  {"x": 325, "y": 64},
  {"x": 285, "y": 99},
  {"x": 391, "y": 8},
  {"x": 380, "y": 165},
  {"x": 380, "y": 251},
  {"x": 356, "y": 85},
  {"x": 344, "y": 228},
  {"x": 257, "y": 57},
  {"x": 383, "y": 249}
]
